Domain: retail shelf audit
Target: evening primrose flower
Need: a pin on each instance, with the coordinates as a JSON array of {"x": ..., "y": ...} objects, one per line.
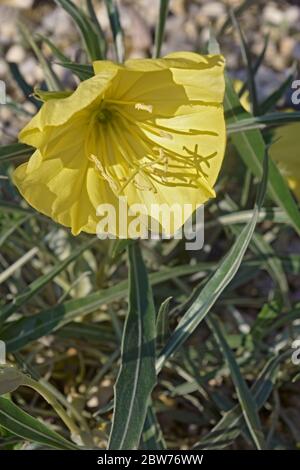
[
  {"x": 284, "y": 149},
  {"x": 285, "y": 152},
  {"x": 152, "y": 131}
]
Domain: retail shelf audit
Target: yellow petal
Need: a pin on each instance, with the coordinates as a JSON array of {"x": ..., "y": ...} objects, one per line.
[
  {"x": 285, "y": 152},
  {"x": 151, "y": 130},
  {"x": 245, "y": 99},
  {"x": 57, "y": 112},
  {"x": 64, "y": 185}
]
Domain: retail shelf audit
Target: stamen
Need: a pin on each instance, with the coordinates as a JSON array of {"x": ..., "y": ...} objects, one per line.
[
  {"x": 144, "y": 107},
  {"x": 166, "y": 135},
  {"x": 138, "y": 106},
  {"x": 144, "y": 188},
  {"x": 103, "y": 173}
]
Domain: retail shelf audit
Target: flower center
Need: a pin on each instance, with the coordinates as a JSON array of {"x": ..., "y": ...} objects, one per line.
[
  {"x": 116, "y": 160},
  {"x": 104, "y": 115}
]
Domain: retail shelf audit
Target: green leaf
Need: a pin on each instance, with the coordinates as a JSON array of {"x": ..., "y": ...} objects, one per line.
[
  {"x": 55, "y": 50},
  {"x": 10, "y": 379},
  {"x": 162, "y": 323},
  {"x": 44, "y": 96},
  {"x": 261, "y": 122},
  {"x": 160, "y": 28},
  {"x": 152, "y": 437},
  {"x": 83, "y": 71},
  {"x": 87, "y": 28},
  {"x": 120, "y": 246},
  {"x": 251, "y": 148},
  {"x": 115, "y": 24},
  {"x": 18, "y": 334},
  {"x": 273, "y": 99},
  {"x": 22, "y": 83},
  {"x": 274, "y": 264},
  {"x": 265, "y": 319},
  {"x": 41, "y": 282},
  {"x": 9, "y": 230},
  {"x": 245, "y": 397},
  {"x": 246, "y": 54},
  {"x": 237, "y": 12},
  {"x": 216, "y": 285},
  {"x": 101, "y": 36},
  {"x": 137, "y": 376},
  {"x": 22, "y": 424},
  {"x": 53, "y": 82},
  {"x": 12, "y": 151},
  {"x": 231, "y": 424}
]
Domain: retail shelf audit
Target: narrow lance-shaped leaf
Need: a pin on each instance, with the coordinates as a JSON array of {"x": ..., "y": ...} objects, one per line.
[
  {"x": 22, "y": 424},
  {"x": 245, "y": 397},
  {"x": 230, "y": 426},
  {"x": 83, "y": 71},
  {"x": 152, "y": 438},
  {"x": 160, "y": 28},
  {"x": 39, "y": 283},
  {"x": 115, "y": 24},
  {"x": 137, "y": 375},
  {"x": 218, "y": 282},
  {"x": 18, "y": 334},
  {"x": 87, "y": 28},
  {"x": 98, "y": 28},
  {"x": 251, "y": 148},
  {"x": 12, "y": 151},
  {"x": 53, "y": 82}
]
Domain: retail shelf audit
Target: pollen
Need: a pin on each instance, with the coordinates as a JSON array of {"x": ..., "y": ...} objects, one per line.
[{"x": 144, "y": 107}]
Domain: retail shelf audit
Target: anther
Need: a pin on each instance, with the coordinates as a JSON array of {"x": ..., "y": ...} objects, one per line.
[{"x": 144, "y": 107}]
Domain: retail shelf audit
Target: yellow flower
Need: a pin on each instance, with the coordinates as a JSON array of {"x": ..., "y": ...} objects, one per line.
[
  {"x": 150, "y": 130},
  {"x": 244, "y": 100},
  {"x": 285, "y": 152}
]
